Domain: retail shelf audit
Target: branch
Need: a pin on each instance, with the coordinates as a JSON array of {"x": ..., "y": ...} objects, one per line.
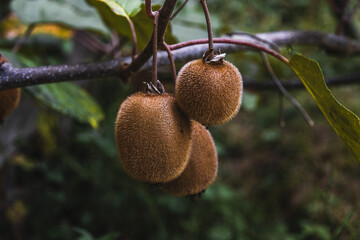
[
  {"x": 20, "y": 77},
  {"x": 297, "y": 84},
  {"x": 344, "y": 15},
  {"x": 164, "y": 17},
  {"x": 333, "y": 43},
  {"x": 230, "y": 41},
  {"x": 179, "y": 9},
  {"x": 23, "y": 38},
  {"x": 277, "y": 82}
]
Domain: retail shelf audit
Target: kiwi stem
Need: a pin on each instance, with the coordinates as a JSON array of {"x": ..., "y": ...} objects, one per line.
[
  {"x": 148, "y": 9},
  {"x": 171, "y": 59},
  {"x": 210, "y": 35},
  {"x": 155, "y": 45},
  {"x": 179, "y": 9},
  {"x": 277, "y": 82}
]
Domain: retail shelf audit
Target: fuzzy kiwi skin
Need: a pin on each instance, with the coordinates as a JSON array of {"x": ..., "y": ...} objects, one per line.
[
  {"x": 202, "y": 168},
  {"x": 153, "y": 137},
  {"x": 9, "y": 100},
  {"x": 209, "y": 93}
]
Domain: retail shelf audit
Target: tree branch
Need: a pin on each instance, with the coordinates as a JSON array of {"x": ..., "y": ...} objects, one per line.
[
  {"x": 230, "y": 41},
  {"x": 20, "y": 77},
  {"x": 297, "y": 84},
  {"x": 344, "y": 16},
  {"x": 164, "y": 17}
]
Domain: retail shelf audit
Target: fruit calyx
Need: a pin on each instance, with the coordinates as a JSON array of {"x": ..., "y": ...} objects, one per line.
[
  {"x": 210, "y": 58},
  {"x": 196, "y": 196},
  {"x": 157, "y": 88}
]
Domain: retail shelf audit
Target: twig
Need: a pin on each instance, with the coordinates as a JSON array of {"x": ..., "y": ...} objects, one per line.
[
  {"x": 342, "y": 18},
  {"x": 253, "y": 36},
  {"x": 164, "y": 17},
  {"x": 209, "y": 30},
  {"x": 232, "y": 41},
  {"x": 334, "y": 7},
  {"x": 171, "y": 59},
  {"x": 148, "y": 9},
  {"x": 21, "y": 77},
  {"x": 134, "y": 40},
  {"x": 273, "y": 77},
  {"x": 342, "y": 13},
  {"x": 179, "y": 9},
  {"x": 281, "y": 110},
  {"x": 155, "y": 46},
  {"x": 354, "y": 10},
  {"x": 115, "y": 45},
  {"x": 90, "y": 42},
  {"x": 23, "y": 38},
  {"x": 296, "y": 84}
]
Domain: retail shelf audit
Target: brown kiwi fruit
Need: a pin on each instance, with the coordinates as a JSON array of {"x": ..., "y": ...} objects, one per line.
[
  {"x": 209, "y": 93},
  {"x": 153, "y": 137},
  {"x": 202, "y": 168},
  {"x": 9, "y": 100}
]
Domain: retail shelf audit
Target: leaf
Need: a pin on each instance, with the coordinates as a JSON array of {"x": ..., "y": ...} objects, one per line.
[
  {"x": 69, "y": 99},
  {"x": 72, "y": 13},
  {"x": 345, "y": 123},
  {"x": 124, "y": 8},
  {"x": 66, "y": 98},
  {"x": 116, "y": 14}
]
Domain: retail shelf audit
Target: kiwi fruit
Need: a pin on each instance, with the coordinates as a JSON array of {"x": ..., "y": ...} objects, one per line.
[
  {"x": 209, "y": 93},
  {"x": 153, "y": 137},
  {"x": 202, "y": 168},
  {"x": 9, "y": 100}
]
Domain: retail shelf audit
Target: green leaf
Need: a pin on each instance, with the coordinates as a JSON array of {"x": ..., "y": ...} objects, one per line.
[
  {"x": 123, "y": 8},
  {"x": 66, "y": 98},
  {"x": 69, "y": 99},
  {"x": 345, "y": 123},
  {"x": 116, "y": 14},
  {"x": 72, "y": 13}
]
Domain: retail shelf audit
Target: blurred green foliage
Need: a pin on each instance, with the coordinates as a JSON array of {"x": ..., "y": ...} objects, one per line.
[{"x": 64, "y": 180}]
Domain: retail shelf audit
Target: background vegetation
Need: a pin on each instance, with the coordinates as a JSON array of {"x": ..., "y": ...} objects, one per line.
[{"x": 61, "y": 179}]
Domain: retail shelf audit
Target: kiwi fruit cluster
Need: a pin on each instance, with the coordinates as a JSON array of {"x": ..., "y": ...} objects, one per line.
[{"x": 161, "y": 138}]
